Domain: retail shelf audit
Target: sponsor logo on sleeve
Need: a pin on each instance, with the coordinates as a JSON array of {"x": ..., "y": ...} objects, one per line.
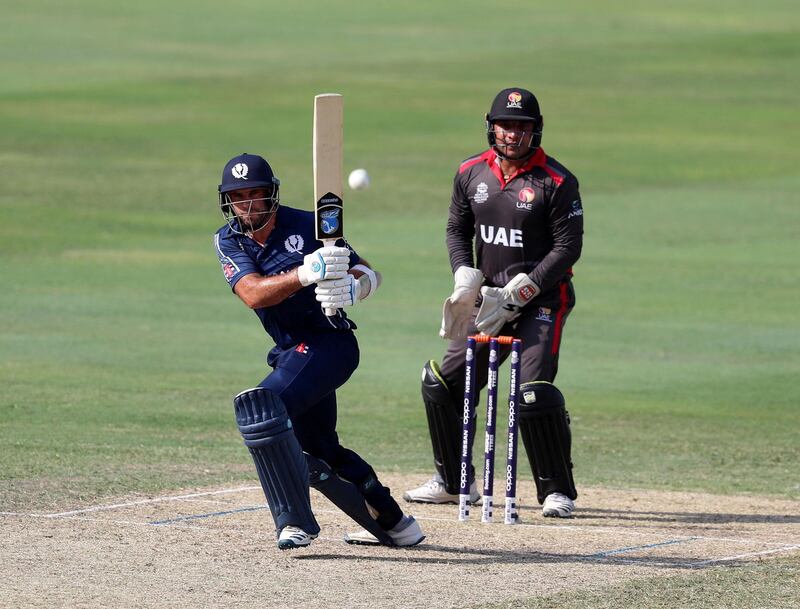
[
  {"x": 544, "y": 314},
  {"x": 576, "y": 209},
  {"x": 229, "y": 270}
]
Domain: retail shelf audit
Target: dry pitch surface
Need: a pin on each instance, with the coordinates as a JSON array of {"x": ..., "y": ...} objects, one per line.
[{"x": 215, "y": 547}]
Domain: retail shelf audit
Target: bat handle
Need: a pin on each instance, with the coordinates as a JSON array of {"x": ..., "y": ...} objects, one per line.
[{"x": 329, "y": 311}]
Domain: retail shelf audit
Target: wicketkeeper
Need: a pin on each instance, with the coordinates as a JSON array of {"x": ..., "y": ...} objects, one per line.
[{"x": 520, "y": 210}]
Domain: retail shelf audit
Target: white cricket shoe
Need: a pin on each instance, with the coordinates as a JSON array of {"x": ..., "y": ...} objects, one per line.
[
  {"x": 292, "y": 537},
  {"x": 557, "y": 505},
  {"x": 433, "y": 491},
  {"x": 405, "y": 533}
]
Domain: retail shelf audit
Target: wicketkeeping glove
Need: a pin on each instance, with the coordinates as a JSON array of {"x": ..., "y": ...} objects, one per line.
[
  {"x": 502, "y": 305},
  {"x": 458, "y": 307},
  {"x": 326, "y": 263}
]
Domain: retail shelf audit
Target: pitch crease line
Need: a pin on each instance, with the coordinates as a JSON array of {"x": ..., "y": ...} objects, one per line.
[
  {"x": 672, "y": 542},
  {"x": 738, "y": 556},
  {"x": 254, "y": 508},
  {"x": 114, "y": 506}
]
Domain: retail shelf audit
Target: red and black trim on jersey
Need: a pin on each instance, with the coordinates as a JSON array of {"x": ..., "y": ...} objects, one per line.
[{"x": 539, "y": 159}]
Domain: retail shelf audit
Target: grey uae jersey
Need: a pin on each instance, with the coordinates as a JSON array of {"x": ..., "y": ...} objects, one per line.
[{"x": 531, "y": 224}]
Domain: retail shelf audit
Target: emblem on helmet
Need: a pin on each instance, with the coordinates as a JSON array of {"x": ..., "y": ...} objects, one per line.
[
  {"x": 239, "y": 171},
  {"x": 514, "y": 100}
]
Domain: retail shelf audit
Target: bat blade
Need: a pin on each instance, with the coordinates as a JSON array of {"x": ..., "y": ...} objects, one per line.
[
  {"x": 328, "y": 157},
  {"x": 328, "y": 176}
]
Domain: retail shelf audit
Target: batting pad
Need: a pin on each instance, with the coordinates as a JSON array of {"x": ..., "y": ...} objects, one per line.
[
  {"x": 282, "y": 469},
  {"x": 544, "y": 427},
  {"x": 444, "y": 424},
  {"x": 346, "y": 496}
]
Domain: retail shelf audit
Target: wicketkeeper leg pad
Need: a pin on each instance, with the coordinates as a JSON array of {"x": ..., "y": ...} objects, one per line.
[
  {"x": 345, "y": 495},
  {"x": 544, "y": 427},
  {"x": 279, "y": 460},
  {"x": 444, "y": 423}
]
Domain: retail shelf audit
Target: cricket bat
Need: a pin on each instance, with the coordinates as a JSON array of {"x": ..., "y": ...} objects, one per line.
[{"x": 328, "y": 177}]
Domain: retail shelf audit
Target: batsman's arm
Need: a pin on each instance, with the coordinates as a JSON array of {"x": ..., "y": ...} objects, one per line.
[{"x": 258, "y": 291}]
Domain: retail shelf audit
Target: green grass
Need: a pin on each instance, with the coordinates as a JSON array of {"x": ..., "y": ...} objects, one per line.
[
  {"x": 762, "y": 584},
  {"x": 121, "y": 346}
]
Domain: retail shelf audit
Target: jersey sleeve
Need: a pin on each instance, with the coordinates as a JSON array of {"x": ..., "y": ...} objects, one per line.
[
  {"x": 234, "y": 262},
  {"x": 566, "y": 224},
  {"x": 460, "y": 227}
]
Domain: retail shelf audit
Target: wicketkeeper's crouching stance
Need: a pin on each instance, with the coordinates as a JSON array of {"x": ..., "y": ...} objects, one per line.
[
  {"x": 275, "y": 265},
  {"x": 523, "y": 211}
]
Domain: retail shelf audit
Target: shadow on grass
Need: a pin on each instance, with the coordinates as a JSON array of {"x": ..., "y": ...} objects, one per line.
[{"x": 472, "y": 556}]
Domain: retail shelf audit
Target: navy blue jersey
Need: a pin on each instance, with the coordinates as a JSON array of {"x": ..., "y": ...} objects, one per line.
[{"x": 300, "y": 316}]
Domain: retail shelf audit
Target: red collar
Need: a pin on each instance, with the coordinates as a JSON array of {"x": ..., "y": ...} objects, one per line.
[{"x": 539, "y": 158}]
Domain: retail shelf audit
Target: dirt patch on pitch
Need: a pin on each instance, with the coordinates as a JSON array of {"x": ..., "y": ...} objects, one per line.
[{"x": 202, "y": 549}]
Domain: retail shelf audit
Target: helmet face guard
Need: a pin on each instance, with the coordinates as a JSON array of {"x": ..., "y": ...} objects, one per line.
[
  {"x": 247, "y": 221},
  {"x": 534, "y": 137}
]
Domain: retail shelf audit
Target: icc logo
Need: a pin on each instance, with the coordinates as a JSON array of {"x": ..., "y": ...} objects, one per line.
[{"x": 239, "y": 171}]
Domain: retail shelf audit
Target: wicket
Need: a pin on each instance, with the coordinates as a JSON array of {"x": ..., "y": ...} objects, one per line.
[{"x": 468, "y": 420}]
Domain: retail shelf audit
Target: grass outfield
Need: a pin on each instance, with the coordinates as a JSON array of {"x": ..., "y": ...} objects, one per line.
[{"x": 120, "y": 346}]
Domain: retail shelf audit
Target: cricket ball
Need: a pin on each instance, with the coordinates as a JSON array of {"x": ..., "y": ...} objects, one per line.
[{"x": 358, "y": 179}]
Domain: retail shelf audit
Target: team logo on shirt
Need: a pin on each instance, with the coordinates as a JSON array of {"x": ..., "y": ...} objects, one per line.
[
  {"x": 514, "y": 100},
  {"x": 302, "y": 348},
  {"x": 293, "y": 244},
  {"x": 527, "y": 195},
  {"x": 239, "y": 171},
  {"x": 481, "y": 193}
]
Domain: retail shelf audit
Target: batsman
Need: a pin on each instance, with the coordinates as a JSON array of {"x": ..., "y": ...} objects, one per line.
[
  {"x": 273, "y": 261},
  {"x": 514, "y": 232}
]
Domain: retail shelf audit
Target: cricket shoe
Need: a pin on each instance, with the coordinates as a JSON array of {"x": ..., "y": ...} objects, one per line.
[
  {"x": 405, "y": 533},
  {"x": 557, "y": 505},
  {"x": 292, "y": 537},
  {"x": 434, "y": 491}
]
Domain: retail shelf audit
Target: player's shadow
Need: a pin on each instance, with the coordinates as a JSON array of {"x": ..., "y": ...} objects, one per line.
[
  {"x": 486, "y": 556},
  {"x": 588, "y": 513}
]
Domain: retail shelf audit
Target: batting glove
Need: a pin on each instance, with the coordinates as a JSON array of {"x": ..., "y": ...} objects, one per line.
[
  {"x": 340, "y": 293},
  {"x": 326, "y": 263}
]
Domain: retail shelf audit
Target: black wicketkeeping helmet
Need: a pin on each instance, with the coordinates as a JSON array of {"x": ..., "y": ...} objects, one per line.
[{"x": 516, "y": 104}]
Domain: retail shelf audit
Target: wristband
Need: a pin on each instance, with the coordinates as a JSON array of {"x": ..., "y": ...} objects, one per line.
[{"x": 371, "y": 275}]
